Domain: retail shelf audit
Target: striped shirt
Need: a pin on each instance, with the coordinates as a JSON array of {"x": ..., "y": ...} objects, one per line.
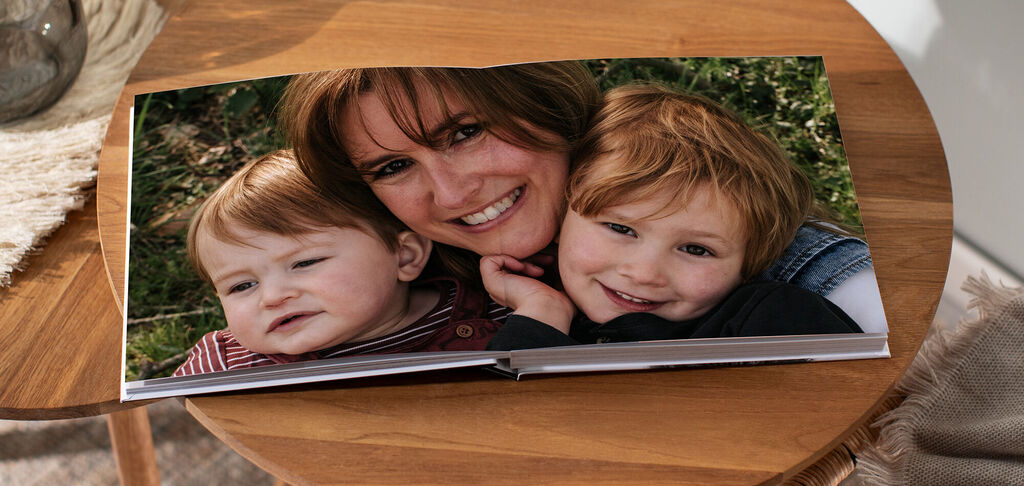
[{"x": 463, "y": 320}]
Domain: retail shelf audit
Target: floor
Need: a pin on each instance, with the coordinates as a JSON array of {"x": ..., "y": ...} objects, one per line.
[
  {"x": 964, "y": 261},
  {"x": 77, "y": 451}
]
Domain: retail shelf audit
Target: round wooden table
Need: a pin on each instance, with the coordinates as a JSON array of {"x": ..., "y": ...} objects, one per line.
[{"x": 746, "y": 425}]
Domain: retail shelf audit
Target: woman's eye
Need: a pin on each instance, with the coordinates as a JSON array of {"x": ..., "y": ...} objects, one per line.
[
  {"x": 466, "y": 132},
  {"x": 391, "y": 168},
  {"x": 241, "y": 287},
  {"x": 621, "y": 229},
  {"x": 696, "y": 250},
  {"x": 307, "y": 263}
]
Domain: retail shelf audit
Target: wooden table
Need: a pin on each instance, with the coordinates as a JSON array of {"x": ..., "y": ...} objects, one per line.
[{"x": 722, "y": 426}]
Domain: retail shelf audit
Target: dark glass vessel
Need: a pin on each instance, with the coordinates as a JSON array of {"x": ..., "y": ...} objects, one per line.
[{"x": 42, "y": 47}]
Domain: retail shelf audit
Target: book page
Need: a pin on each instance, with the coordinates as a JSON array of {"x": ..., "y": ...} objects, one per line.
[{"x": 347, "y": 220}]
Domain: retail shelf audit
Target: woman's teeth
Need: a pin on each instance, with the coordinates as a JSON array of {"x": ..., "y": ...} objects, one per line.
[
  {"x": 492, "y": 211},
  {"x": 631, "y": 298}
]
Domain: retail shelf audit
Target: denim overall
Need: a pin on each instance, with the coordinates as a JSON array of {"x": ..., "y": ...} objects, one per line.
[{"x": 818, "y": 260}]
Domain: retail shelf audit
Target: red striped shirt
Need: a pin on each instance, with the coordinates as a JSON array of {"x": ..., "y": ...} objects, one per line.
[{"x": 459, "y": 307}]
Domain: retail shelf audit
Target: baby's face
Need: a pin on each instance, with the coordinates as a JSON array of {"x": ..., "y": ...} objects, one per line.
[
  {"x": 678, "y": 266},
  {"x": 293, "y": 295}
]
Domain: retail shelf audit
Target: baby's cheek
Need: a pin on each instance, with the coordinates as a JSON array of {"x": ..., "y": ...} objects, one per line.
[{"x": 239, "y": 321}]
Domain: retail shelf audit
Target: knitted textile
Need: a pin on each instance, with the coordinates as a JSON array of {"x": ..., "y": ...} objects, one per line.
[{"x": 962, "y": 421}]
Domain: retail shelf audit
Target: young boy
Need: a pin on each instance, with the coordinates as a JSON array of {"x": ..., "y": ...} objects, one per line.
[
  {"x": 301, "y": 276},
  {"x": 675, "y": 205}
]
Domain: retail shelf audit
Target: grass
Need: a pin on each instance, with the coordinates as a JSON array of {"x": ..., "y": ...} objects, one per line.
[{"x": 186, "y": 142}]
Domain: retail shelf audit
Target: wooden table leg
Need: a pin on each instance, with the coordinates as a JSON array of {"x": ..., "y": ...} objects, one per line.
[{"x": 132, "y": 442}]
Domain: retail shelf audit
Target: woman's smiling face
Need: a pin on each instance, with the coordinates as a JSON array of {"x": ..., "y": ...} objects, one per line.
[{"x": 474, "y": 191}]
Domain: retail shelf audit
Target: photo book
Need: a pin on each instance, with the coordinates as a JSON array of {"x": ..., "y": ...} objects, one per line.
[{"x": 358, "y": 223}]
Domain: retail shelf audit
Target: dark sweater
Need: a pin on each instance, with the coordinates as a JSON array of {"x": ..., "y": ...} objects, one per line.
[{"x": 754, "y": 309}]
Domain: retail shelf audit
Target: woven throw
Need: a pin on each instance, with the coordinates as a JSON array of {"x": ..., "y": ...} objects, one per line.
[
  {"x": 48, "y": 161},
  {"x": 962, "y": 419}
]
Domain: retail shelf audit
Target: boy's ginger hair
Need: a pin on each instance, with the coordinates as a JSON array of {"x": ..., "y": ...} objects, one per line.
[
  {"x": 272, "y": 194},
  {"x": 662, "y": 140}
]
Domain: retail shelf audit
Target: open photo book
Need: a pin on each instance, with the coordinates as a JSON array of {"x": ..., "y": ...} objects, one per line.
[{"x": 555, "y": 217}]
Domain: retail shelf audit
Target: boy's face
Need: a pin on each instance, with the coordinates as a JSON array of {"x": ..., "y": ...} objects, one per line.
[
  {"x": 293, "y": 295},
  {"x": 677, "y": 266}
]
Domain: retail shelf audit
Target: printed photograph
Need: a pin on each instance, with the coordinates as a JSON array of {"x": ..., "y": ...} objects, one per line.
[{"x": 388, "y": 211}]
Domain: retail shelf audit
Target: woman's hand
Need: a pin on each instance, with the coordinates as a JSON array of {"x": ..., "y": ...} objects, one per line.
[{"x": 513, "y": 283}]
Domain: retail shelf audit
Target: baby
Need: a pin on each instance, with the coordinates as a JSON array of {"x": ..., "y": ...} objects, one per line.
[
  {"x": 675, "y": 205},
  {"x": 301, "y": 276}
]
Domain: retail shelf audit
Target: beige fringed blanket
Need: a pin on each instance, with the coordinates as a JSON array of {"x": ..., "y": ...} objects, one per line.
[
  {"x": 962, "y": 421},
  {"x": 48, "y": 161}
]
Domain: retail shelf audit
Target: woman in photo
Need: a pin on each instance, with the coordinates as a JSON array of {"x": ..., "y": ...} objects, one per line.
[{"x": 477, "y": 161}]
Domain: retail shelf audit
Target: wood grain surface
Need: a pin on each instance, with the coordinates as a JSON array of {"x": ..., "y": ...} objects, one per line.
[
  {"x": 60, "y": 330},
  {"x": 724, "y": 426},
  {"x": 60, "y": 326},
  {"x": 131, "y": 439}
]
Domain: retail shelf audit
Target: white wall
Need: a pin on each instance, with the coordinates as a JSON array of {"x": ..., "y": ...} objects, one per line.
[{"x": 967, "y": 58}]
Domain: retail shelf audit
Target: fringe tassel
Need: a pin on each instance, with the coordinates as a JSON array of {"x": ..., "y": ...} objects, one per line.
[
  {"x": 882, "y": 463},
  {"x": 988, "y": 298},
  {"x": 49, "y": 161}
]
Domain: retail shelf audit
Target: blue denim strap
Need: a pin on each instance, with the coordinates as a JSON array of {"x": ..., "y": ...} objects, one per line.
[{"x": 819, "y": 260}]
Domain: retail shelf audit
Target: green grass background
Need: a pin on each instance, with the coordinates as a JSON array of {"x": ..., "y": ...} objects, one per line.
[{"x": 186, "y": 142}]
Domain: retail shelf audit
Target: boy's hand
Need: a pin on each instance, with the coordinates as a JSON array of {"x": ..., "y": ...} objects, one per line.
[{"x": 512, "y": 283}]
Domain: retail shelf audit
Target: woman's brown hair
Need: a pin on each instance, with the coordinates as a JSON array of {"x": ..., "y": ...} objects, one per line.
[{"x": 511, "y": 102}]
